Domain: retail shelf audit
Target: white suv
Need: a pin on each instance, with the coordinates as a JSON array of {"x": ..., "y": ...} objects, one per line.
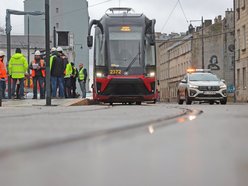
[{"x": 201, "y": 85}]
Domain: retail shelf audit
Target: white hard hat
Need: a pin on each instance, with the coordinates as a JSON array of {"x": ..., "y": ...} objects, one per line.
[
  {"x": 37, "y": 53},
  {"x": 53, "y": 49},
  {"x": 2, "y": 53},
  {"x": 59, "y": 49}
]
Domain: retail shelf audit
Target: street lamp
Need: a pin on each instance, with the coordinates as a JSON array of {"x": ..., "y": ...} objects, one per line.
[
  {"x": 8, "y": 31},
  {"x": 202, "y": 40}
]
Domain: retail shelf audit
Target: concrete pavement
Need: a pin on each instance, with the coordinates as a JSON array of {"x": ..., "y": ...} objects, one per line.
[{"x": 207, "y": 150}]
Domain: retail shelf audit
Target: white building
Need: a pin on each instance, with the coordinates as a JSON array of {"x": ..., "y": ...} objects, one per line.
[{"x": 65, "y": 16}]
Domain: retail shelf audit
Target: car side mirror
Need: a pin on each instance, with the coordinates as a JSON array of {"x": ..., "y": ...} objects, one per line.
[
  {"x": 90, "y": 41},
  {"x": 183, "y": 81},
  {"x": 222, "y": 80}
]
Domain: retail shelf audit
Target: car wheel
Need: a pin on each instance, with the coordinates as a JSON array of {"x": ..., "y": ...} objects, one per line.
[
  {"x": 187, "y": 99},
  {"x": 223, "y": 102},
  {"x": 179, "y": 101}
]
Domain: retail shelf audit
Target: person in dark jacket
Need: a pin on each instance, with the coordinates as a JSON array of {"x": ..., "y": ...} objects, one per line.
[
  {"x": 57, "y": 73},
  {"x": 73, "y": 80}
]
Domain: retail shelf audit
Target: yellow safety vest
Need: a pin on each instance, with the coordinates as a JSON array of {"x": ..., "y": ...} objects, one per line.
[
  {"x": 81, "y": 74},
  {"x": 18, "y": 66}
]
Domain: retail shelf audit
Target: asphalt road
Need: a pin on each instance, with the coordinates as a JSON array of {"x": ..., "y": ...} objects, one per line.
[{"x": 124, "y": 145}]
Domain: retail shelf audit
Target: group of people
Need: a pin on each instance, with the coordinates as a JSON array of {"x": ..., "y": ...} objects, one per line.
[{"x": 64, "y": 75}]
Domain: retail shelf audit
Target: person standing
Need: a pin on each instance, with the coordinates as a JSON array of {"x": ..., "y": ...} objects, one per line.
[
  {"x": 38, "y": 74},
  {"x": 82, "y": 77},
  {"x": 74, "y": 80},
  {"x": 67, "y": 79},
  {"x": 57, "y": 73},
  {"x": 3, "y": 76},
  {"x": 18, "y": 67}
]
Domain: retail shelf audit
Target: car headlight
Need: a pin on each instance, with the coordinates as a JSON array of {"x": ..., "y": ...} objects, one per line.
[
  {"x": 223, "y": 86},
  {"x": 99, "y": 74},
  {"x": 151, "y": 74},
  {"x": 193, "y": 86}
]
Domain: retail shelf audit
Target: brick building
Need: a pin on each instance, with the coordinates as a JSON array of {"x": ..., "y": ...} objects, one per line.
[
  {"x": 241, "y": 53},
  {"x": 186, "y": 52}
]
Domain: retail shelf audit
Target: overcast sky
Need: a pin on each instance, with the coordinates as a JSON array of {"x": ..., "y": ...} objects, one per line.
[{"x": 158, "y": 9}]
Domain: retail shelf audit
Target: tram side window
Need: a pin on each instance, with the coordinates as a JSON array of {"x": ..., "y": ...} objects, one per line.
[
  {"x": 99, "y": 42},
  {"x": 149, "y": 54}
]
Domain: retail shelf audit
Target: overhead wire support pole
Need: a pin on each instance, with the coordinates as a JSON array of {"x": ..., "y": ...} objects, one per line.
[
  {"x": 8, "y": 30},
  {"x": 28, "y": 53},
  {"x": 203, "y": 66},
  {"x": 48, "y": 74},
  {"x": 234, "y": 63}
]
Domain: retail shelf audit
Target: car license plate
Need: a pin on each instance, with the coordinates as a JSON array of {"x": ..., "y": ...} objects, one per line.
[{"x": 209, "y": 92}]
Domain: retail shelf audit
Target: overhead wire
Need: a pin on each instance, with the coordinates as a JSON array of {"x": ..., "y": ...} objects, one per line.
[
  {"x": 180, "y": 4},
  {"x": 167, "y": 20}
]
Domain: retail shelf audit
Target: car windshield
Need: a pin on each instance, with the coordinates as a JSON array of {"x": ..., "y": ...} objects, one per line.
[{"x": 203, "y": 77}]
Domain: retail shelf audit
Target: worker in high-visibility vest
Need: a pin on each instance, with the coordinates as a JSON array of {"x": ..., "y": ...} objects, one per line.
[
  {"x": 53, "y": 55},
  {"x": 3, "y": 76},
  {"x": 67, "y": 79},
  {"x": 38, "y": 74},
  {"x": 82, "y": 77},
  {"x": 18, "y": 67}
]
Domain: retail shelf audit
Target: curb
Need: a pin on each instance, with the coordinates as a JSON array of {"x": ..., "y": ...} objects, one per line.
[{"x": 80, "y": 102}]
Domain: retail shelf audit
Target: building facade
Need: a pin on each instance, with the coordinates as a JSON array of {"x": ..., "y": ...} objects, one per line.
[
  {"x": 65, "y": 16},
  {"x": 241, "y": 53},
  {"x": 218, "y": 42}
]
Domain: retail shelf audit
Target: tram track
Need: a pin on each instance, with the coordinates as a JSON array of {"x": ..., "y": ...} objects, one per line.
[
  {"x": 185, "y": 115},
  {"x": 55, "y": 112}
]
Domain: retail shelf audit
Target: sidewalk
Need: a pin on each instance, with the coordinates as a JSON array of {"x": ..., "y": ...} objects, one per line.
[
  {"x": 38, "y": 102},
  {"x": 29, "y": 102}
]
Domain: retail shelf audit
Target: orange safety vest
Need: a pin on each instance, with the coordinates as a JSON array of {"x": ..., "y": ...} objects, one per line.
[
  {"x": 3, "y": 72},
  {"x": 42, "y": 64}
]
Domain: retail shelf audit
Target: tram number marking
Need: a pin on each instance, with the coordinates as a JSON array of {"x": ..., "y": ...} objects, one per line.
[{"x": 115, "y": 72}]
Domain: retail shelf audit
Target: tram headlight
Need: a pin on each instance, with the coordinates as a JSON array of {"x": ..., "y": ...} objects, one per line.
[
  {"x": 151, "y": 74},
  {"x": 99, "y": 74}
]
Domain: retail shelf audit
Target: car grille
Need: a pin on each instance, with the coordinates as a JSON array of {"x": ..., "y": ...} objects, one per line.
[{"x": 209, "y": 88}]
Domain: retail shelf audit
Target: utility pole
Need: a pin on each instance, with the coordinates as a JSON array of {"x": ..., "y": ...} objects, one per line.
[
  {"x": 48, "y": 74},
  {"x": 203, "y": 66},
  {"x": 234, "y": 63},
  {"x": 8, "y": 30},
  {"x": 28, "y": 53}
]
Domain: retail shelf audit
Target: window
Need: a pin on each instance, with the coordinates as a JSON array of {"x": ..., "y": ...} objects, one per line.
[
  {"x": 57, "y": 25},
  {"x": 237, "y": 5},
  {"x": 243, "y": 38},
  {"x": 238, "y": 78},
  {"x": 238, "y": 39},
  {"x": 242, "y": 4},
  {"x": 57, "y": 10},
  {"x": 125, "y": 47},
  {"x": 100, "y": 48},
  {"x": 244, "y": 78},
  {"x": 63, "y": 38}
]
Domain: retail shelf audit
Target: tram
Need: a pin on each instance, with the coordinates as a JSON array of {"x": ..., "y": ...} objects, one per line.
[{"x": 124, "y": 57}]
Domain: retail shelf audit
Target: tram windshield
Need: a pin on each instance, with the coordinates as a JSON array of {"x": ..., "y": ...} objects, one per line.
[{"x": 124, "y": 45}]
